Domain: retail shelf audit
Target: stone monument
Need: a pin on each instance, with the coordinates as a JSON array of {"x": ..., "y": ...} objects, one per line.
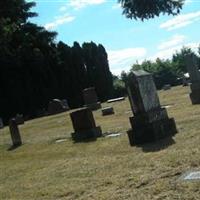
[
  {"x": 57, "y": 106},
  {"x": 14, "y": 131},
  {"x": 84, "y": 125},
  {"x": 150, "y": 122},
  {"x": 192, "y": 67},
  {"x": 90, "y": 98}
]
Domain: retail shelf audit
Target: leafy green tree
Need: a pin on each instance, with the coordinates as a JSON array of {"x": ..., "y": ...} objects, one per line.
[{"x": 146, "y": 9}]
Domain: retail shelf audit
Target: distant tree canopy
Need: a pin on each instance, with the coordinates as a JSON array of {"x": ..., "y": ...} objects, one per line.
[
  {"x": 168, "y": 71},
  {"x": 146, "y": 9},
  {"x": 35, "y": 69}
]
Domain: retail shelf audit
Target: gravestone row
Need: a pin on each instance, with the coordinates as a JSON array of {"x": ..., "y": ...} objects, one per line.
[{"x": 150, "y": 121}]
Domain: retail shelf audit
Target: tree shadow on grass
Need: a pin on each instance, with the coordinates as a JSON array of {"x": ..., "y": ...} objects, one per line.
[{"x": 158, "y": 145}]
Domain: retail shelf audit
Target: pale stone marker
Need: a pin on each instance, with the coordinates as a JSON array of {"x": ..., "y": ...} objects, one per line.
[
  {"x": 116, "y": 99},
  {"x": 192, "y": 67},
  {"x": 14, "y": 132},
  {"x": 84, "y": 125},
  {"x": 150, "y": 122},
  {"x": 90, "y": 98}
]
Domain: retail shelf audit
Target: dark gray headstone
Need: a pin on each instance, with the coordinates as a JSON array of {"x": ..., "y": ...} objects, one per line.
[
  {"x": 91, "y": 99},
  {"x": 84, "y": 125},
  {"x": 15, "y": 134},
  {"x": 107, "y": 111},
  {"x": 192, "y": 67},
  {"x": 143, "y": 92},
  {"x": 150, "y": 122}
]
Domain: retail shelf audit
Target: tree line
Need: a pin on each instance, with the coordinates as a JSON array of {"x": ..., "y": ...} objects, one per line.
[
  {"x": 35, "y": 69},
  {"x": 164, "y": 71}
]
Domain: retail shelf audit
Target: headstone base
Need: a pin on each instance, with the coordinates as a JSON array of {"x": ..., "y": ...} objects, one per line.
[
  {"x": 87, "y": 134},
  {"x": 195, "y": 96},
  {"x": 94, "y": 106},
  {"x": 151, "y": 131}
]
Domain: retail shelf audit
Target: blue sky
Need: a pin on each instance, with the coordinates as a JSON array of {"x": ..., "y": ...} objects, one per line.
[{"x": 126, "y": 41}]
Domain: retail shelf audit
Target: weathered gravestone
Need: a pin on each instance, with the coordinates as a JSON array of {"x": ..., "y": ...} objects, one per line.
[
  {"x": 1, "y": 123},
  {"x": 57, "y": 106},
  {"x": 14, "y": 132},
  {"x": 90, "y": 98},
  {"x": 84, "y": 125},
  {"x": 192, "y": 67},
  {"x": 150, "y": 122},
  {"x": 19, "y": 119},
  {"x": 107, "y": 111}
]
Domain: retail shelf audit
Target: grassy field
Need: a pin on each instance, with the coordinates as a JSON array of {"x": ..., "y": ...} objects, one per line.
[{"x": 107, "y": 168}]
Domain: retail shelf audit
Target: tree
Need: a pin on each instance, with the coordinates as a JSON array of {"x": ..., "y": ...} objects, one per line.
[{"x": 146, "y": 9}]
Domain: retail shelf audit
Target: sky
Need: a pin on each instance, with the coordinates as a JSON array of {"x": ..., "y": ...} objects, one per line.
[{"x": 126, "y": 41}]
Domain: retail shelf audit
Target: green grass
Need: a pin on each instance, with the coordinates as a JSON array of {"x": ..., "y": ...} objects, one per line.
[{"x": 107, "y": 168}]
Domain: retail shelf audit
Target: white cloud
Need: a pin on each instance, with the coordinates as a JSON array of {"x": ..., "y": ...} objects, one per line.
[
  {"x": 59, "y": 21},
  {"x": 181, "y": 21},
  {"x": 123, "y": 59},
  {"x": 63, "y": 8},
  {"x": 167, "y": 53},
  {"x": 173, "y": 41},
  {"x": 78, "y": 4}
]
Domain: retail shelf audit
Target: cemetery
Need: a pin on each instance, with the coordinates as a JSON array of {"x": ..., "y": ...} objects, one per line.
[
  {"x": 48, "y": 164},
  {"x": 82, "y": 120}
]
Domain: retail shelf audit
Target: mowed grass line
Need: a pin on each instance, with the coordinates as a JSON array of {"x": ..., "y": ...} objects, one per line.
[{"x": 107, "y": 168}]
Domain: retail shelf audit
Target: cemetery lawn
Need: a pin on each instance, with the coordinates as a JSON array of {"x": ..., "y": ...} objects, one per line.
[{"x": 107, "y": 168}]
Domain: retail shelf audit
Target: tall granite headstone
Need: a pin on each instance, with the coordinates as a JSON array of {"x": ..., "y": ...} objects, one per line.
[
  {"x": 150, "y": 122},
  {"x": 192, "y": 67},
  {"x": 90, "y": 98},
  {"x": 14, "y": 132},
  {"x": 84, "y": 125}
]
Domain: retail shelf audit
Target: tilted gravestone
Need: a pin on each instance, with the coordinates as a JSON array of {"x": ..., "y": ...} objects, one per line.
[
  {"x": 150, "y": 122},
  {"x": 14, "y": 132},
  {"x": 1, "y": 123},
  {"x": 192, "y": 67},
  {"x": 84, "y": 125},
  {"x": 90, "y": 98},
  {"x": 57, "y": 106}
]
